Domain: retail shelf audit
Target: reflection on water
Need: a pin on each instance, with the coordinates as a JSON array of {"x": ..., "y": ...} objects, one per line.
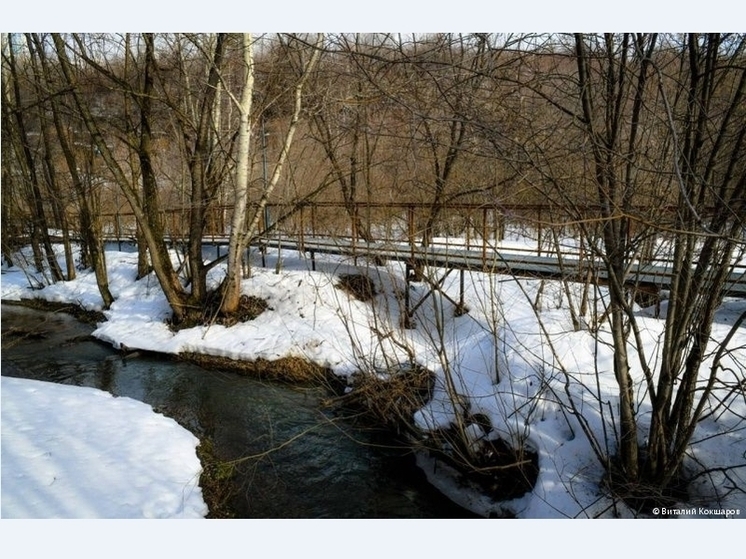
[{"x": 307, "y": 464}]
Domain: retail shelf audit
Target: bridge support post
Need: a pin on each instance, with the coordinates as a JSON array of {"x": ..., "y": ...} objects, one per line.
[
  {"x": 406, "y": 319},
  {"x": 461, "y": 308}
]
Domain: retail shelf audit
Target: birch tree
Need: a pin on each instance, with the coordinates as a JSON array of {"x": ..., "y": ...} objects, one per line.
[{"x": 244, "y": 225}]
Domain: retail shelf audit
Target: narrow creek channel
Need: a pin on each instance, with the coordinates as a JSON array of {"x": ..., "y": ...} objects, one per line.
[{"x": 331, "y": 469}]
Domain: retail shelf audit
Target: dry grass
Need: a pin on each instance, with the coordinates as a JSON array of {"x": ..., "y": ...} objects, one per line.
[
  {"x": 294, "y": 370},
  {"x": 388, "y": 398},
  {"x": 216, "y": 481},
  {"x": 361, "y": 287}
]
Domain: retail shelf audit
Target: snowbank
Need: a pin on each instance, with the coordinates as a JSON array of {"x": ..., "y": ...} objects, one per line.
[
  {"x": 496, "y": 358},
  {"x": 72, "y": 452}
]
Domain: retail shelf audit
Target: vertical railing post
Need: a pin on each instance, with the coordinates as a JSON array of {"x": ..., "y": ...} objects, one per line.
[
  {"x": 267, "y": 219},
  {"x": 468, "y": 229},
  {"x": 313, "y": 220},
  {"x": 410, "y": 230}
]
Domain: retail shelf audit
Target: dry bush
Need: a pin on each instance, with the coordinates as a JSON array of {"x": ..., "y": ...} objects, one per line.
[{"x": 388, "y": 398}]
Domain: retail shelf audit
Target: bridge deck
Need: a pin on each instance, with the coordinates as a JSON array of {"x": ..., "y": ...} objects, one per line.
[
  {"x": 496, "y": 261},
  {"x": 501, "y": 261}
]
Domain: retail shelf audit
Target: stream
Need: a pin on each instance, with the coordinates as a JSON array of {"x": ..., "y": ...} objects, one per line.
[{"x": 304, "y": 462}]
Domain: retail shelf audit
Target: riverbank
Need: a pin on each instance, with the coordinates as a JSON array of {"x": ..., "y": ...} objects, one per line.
[
  {"x": 385, "y": 401},
  {"x": 271, "y": 449},
  {"x": 30, "y": 405},
  {"x": 495, "y": 380},
  {"x": 123, "y": 461},
  {"x": 216, "y": 476}
]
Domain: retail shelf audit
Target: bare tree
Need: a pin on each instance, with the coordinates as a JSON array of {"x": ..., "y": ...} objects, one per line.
[
  {"x": 22, "y": 148},
  {"x": 708, "y": 162},
  {"x": 245, "y": 225},
  {"x": 145, "y": 207},
  {"x": 648, "y": 145},
  {"x": 195, "y": 110},
  {"x": 348, "y": 122},
  {"x": 56, "y": 195}
]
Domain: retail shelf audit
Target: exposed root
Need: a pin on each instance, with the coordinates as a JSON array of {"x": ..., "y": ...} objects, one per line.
[{"x": 249, "y": 307}]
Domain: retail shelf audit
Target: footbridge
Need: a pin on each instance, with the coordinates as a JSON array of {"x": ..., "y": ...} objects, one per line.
[{"x": 465, "y": 238}]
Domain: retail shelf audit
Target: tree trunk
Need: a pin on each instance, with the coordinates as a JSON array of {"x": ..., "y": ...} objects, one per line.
[
  {"x": 231, "y": 288},
  {"x": 150, "y": 224},
  {"x": 202, "y": 172},
  {"x": 614, "y": 236},
  {"x": 91, "y": 244},
  {"x": 40, "y": 226},
  {"x": 241, "y": 234}
]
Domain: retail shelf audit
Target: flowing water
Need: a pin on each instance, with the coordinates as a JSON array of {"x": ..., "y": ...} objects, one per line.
[{"x": 303, "y": 462}]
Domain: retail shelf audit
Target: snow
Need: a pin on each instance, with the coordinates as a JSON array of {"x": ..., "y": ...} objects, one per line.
[
  {"x": 511, "y": 360},
  {"x": 75, "y": 452}
]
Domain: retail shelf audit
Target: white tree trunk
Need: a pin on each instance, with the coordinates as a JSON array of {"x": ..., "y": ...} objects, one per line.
[
  {"x": 297, "y": 106},
  {"x": 232, "y": 286},
  {"x": 241, "y": 233}
]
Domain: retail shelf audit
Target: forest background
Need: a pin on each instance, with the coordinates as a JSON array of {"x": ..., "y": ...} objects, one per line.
[{"x": 431, "y": 124}]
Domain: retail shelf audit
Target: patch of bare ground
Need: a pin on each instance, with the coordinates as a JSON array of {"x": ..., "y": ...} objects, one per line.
[
  {"x": 499, "y": 470},
  {"x": 359, "y": 286},
  {"x": 249, "y": 307},
  {"x": 285, "y": 369}
]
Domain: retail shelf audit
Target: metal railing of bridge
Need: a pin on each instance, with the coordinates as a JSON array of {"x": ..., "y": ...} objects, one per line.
[{"x": 461, "y": 236}]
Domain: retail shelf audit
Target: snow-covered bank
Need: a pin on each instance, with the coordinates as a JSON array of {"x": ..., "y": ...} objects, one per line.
[
  {"x": 494, "y": 360},
  {"x": 73, "y": 452}
]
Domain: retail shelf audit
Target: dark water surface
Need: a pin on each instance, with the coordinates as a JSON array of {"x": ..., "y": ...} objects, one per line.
[{"x": 324, "y": 466}]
